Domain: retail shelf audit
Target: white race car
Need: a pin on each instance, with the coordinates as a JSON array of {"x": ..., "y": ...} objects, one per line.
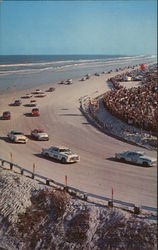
[
  {"x": 137, "y": 157},
  {"x": 62, "y": 154},
  {"x": 18, "y": 137},
  {"x": 39, "y": 135}
]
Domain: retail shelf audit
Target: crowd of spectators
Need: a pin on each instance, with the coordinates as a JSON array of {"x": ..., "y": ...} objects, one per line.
[{"x": 138, "y": 105}]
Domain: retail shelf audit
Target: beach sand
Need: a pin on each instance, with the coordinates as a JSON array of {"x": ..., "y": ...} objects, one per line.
[{"x": 61, "y": 118}]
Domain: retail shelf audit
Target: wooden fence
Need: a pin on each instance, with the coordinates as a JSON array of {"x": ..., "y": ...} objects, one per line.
[{"x": 93, "y": 198}]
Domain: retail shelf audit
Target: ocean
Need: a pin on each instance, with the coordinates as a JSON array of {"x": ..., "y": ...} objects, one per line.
[{"x": 23, "y": 71}]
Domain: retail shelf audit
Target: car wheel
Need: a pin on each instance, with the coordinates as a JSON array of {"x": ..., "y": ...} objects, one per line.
[
  {"x": 63, "y": 160},
  {"x": 47, "y": 155},
  {"x": 145, "y": 164},
  {"x": 122, "y": 159}
]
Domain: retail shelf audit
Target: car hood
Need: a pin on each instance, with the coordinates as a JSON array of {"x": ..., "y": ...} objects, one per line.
[
  {"x": 147, "y": 158},
  {"x": 69, "y": 154},
  {"x": 20, "y": 136},
  {"x": 43, "y": 135}
]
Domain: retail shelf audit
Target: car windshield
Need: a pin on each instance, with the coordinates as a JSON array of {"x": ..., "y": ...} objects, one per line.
[
  {"x": 65, "y": 150},
  {"x": 17, "y": 133}
]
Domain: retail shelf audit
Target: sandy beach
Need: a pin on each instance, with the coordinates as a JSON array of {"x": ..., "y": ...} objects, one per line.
[{"x": 61, "y": 118}]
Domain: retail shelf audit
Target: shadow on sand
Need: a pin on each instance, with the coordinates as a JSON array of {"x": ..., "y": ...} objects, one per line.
[{"x": 125, "y": 162}]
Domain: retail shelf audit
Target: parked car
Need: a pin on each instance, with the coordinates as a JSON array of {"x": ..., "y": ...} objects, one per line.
[
  {"x": 69, "y": 81},
  {"x": 27, "y": 96},
  {"x": 18, "y": 137},
  {"x": 51, "y": 89},
  {"x": 62, "y": 82},
  {"x": 40, "y": 95},
  {"x": 83, "y": 78},
  {"x": 37, "y": 91},
  {"x": 138, "y": 157},
  {"x": 17, "y": 103},
  {"x": 30, "y": 105},
  {"x": 61, "y": 153},
  {"x": 97, "y": 74},
  {"x": 33, "y": 101},
  {"x": 6, "y": 115},
  {"x": 87, "y": 76},
  {"x": 39, "y": 135},
  {"x": 35, "y": 112}
]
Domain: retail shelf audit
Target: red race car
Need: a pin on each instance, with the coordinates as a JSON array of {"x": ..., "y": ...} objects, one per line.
[
  {"x": 35, "y": 112},
  {"x": 6, "y": 115}
]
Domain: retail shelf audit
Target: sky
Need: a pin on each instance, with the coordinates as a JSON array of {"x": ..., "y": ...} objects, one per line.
[{"x": 126, "y": 27}]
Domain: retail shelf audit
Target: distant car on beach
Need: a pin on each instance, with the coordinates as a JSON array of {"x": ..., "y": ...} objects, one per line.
[
  {"x": 97, "y": 74},
  {"x": 40, "y": 95},
  {"x": 27, "y": 96},
  {"x": 39, "y": 135},
  {"x": 30, "y": 105},
  {"x": 136, "y": 157},
  {"x": 18, "y": 137},
  {"x": 69, "y": 81},
  {"x": 6, "y": 115},
  {"x": 37, "y": 91},
  {"x": 17, "y": 103},
  {"x": 35, "y": 112},
  {"x": 62, "y": 82},
  {"x": 51, "y": 89},
  {"x": 61, "y": 153},
  {"x": 83, "y": 79}
]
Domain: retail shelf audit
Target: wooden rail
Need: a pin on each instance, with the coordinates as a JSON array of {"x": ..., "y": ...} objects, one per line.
[{"x": 93, "y": 198}]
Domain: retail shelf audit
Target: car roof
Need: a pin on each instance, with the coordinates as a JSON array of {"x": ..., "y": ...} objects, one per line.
[
  {"x": 60, "y": 147},
  {"x": 6, "y": 112},
  {"x": 134, "y": 151}
]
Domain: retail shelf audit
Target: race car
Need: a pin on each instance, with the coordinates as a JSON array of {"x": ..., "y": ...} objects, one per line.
[
  {"x": 6, "y": 115},
  {"x": 40, "y": 95},
  {"x": 17, "y": 103},
  {"x": 39, "y": 135},
  {"x": 27, "y": 96},
  {"x": 18, "y": 137},
  {"x": 51, "y": 89},
  {"x": 61, "y": 153},
  {"x": 35, "y": 112},
  {"x": 30, "y": 105},
  {"x": 137, "y": 157}
]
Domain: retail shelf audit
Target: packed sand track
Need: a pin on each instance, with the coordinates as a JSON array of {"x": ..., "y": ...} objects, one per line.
[{"x": 61, "y": 118}]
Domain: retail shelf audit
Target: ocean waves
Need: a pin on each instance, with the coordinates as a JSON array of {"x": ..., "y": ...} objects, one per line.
[
  {"x": 55, "y": 64},
  {"x": 36, "y": 67}
]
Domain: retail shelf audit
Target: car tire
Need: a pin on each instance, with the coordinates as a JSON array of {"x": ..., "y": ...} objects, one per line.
[
  {"x": 145, "y": 164},
  {"x": 47, "y": 155},
  {"x": 122, "y": 159},
  {"x": 63, "y": 160}
]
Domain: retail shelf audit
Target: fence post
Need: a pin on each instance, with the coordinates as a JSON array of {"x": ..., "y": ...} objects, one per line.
[
  {"x": 33, "y": 174},
  {"x": 47, "y": 182},
  {"x": 136, "y": 210},
  {"x": 11, "y": 156},
  {"x": 11, "y": 166},
  {"x": 66, "y": 188}
]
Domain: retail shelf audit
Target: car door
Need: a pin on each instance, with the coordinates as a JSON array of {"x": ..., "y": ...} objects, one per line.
[
  {"x": 129, "y": 156},
  {"x": 55, "y": 153},
  {"x": 134, "y": 157}
]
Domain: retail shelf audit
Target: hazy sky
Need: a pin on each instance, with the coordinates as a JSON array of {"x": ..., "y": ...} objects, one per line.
[{"x": 78, "y": 27}]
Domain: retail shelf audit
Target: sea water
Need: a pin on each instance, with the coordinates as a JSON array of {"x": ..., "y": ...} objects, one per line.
[{"x": 23, "y": 71}]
